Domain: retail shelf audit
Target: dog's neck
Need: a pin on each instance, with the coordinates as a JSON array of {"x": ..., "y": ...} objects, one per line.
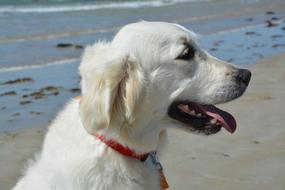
[
  {"x": 146, "y": 139},
  {"x": 130, "y": 152}
]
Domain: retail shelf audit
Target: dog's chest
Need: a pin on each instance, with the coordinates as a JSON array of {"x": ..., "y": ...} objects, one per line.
[{"x": 105, "y": 176}]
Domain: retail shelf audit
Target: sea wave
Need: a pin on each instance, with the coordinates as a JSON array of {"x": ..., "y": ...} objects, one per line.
[
  {"x": 18, "y": 39},
  {"x": 27, "y": 67},
  {"x": 89, "y": 7}
]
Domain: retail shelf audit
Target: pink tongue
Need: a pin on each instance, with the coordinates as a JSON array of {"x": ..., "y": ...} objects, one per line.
[{"x": 226, "y": 119}]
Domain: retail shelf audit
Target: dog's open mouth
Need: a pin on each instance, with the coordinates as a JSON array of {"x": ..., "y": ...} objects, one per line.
[{"x": 203, "y": 118}]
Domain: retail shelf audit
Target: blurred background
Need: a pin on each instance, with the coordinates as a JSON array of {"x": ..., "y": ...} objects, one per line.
[{"x": 41, "y": 42}]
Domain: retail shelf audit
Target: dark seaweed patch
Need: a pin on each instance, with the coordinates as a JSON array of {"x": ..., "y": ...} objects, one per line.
[
  {"x": 20, "y": 80},
  {"x": 10, "y": 93}
]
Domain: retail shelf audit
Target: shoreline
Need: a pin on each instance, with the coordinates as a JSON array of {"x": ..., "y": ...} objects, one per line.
[
  {"x": 69, "y": 60},
  {"x": 220, "y": 161},
  {"x": 42, "y": 35}
]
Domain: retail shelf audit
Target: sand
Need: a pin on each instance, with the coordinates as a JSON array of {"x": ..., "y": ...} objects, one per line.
[
  {"x": 15, "y": 149},
  {"x": 252, "y": 158}
]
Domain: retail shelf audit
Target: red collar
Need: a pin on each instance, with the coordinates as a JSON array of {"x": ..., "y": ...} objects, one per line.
[{"x": 126, "y": 151}]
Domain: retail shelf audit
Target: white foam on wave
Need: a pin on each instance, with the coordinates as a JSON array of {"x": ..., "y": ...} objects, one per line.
[
  {"x": 88, "y": 7},
  {"x": 27, "y": 67}
]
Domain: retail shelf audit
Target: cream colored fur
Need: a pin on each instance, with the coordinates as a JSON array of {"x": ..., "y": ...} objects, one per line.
[{"x": 127, "y": 87}]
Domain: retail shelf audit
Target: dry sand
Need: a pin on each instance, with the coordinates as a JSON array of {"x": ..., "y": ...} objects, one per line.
[
  {"x": 15, "y": 149},
  {"x": 251, "y": 159}
]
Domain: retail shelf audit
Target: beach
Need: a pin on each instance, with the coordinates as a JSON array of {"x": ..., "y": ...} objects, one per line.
[
  {"x": 252, "y": 158},
  {"x": 41, "y": 47}
]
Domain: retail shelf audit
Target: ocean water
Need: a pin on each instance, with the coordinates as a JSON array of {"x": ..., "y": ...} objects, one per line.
[
  {"x": 31, "y": 29},
  {"x": 41, "y": 6}
]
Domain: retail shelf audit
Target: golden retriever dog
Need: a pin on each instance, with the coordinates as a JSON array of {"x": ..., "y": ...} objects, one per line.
[{"x": 152, "y": 76}]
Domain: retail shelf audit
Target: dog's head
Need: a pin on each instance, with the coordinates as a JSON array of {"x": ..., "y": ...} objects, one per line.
[{"x": 154, "y": 75}]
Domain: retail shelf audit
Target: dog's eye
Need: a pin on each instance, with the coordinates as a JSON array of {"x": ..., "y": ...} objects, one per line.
[{"x": 188, "y": 53}]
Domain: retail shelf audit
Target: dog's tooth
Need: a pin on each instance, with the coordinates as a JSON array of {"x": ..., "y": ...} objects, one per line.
[
  {"x": 199, "y": 115},
  {"x": 185, "y": 107},
  {"x": 213, "y": 121},
  {"x": 193, "y": 112}
]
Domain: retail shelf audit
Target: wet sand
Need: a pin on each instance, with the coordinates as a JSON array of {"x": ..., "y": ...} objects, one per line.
[{"x": 250, "y": 159}]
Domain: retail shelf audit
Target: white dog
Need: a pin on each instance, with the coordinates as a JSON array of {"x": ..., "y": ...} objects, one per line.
[{"x": 151, "y": 77}]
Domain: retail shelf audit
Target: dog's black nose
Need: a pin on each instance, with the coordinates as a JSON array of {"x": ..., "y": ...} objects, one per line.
[{"x": 243, "y": 75}]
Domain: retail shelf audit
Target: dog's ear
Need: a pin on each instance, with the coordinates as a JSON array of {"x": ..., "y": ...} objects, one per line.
[{"x": 111, "y": 88}]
